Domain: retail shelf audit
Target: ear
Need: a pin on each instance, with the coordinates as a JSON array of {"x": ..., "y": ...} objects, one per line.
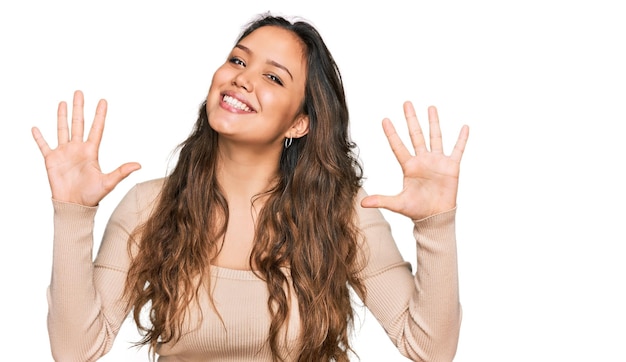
[{"x": 299, "y": 128}]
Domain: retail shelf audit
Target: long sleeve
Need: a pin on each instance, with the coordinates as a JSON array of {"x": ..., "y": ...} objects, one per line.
[
  {"x": 85, "y": 305},
  {"x": 420, "y": 312}
]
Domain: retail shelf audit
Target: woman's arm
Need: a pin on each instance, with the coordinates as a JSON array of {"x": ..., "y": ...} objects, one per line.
[
  {"x": 86, "y": 298},
  {"x": 419, "y": 311},
  {"x": 79, "y": 302}
]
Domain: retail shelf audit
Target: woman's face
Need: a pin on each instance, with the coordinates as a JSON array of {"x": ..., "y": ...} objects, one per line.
[{"x": 256, "y": 95}]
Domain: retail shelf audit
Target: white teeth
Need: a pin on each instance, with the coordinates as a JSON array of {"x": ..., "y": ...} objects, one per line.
[{"x": 235, "y": 103}]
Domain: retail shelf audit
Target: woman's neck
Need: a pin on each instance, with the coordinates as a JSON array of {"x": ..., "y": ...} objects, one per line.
[{"x": 246, "y": 173}]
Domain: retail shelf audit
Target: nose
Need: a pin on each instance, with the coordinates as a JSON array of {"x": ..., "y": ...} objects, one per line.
[{"x": 242, "y": 80}]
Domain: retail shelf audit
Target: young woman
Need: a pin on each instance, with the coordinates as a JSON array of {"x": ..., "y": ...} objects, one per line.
[{"x": 248, "y": 249}]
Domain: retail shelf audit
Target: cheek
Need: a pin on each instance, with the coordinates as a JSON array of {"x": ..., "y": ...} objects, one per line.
[
  {"x": 213, "y": 94},
  {"x": 220, "y": 77},
  {"x": 294, "y": 106},
  {"x": 283, "y": 104}
]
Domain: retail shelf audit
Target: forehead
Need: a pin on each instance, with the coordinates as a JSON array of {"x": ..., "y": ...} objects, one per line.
[{"x": 276, "y": 44}]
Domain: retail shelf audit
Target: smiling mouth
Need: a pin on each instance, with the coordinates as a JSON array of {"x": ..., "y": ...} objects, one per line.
[{"x": 235, "y": 103}]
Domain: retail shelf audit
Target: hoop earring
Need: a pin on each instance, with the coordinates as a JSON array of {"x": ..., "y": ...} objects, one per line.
[{"x": 288, "y": 142}]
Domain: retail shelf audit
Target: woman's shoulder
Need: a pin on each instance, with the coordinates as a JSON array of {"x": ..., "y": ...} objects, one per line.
[
  {"x": 150, "y": 186},
  {"x": 144, "y": 193}
]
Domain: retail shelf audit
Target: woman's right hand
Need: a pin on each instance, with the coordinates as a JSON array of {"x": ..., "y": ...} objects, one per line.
[{"x": 73, "y": 169}]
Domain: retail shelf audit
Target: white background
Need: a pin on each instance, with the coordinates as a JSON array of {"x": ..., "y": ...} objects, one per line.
[{"x": 542, "y": 85}]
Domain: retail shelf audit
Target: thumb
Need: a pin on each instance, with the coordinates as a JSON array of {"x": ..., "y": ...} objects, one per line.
[
  {"x": 120, "y": 173},
  {"x": 385, "y": 202}
]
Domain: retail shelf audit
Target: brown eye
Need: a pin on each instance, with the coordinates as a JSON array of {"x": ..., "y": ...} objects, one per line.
[
  {"x": 274, "y": 79},
  {"x": 237, "y": 61}
]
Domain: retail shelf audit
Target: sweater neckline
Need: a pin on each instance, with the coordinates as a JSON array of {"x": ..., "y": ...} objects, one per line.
[{"x": 239, "y": 274}]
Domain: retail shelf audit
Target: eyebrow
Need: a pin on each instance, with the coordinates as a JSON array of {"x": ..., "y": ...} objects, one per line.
[{"x": 269, "y": 61}]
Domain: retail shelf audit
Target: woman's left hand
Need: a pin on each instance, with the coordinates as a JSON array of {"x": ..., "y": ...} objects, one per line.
[{"x": 431, "y": 178}]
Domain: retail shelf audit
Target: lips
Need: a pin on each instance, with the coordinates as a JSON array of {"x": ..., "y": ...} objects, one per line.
[{"x": 239, "y": 104}]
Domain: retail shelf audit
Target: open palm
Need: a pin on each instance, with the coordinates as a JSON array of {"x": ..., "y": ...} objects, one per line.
[
  {"x": 73, "y": 169},
  {"x": 431, "y": 178}
]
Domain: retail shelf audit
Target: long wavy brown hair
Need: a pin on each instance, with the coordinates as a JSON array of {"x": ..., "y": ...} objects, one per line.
[{"x": 307, "y": 223}]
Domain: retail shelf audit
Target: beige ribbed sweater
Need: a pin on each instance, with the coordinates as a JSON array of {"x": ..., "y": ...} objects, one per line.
[{"x": 420, "y": 313}]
